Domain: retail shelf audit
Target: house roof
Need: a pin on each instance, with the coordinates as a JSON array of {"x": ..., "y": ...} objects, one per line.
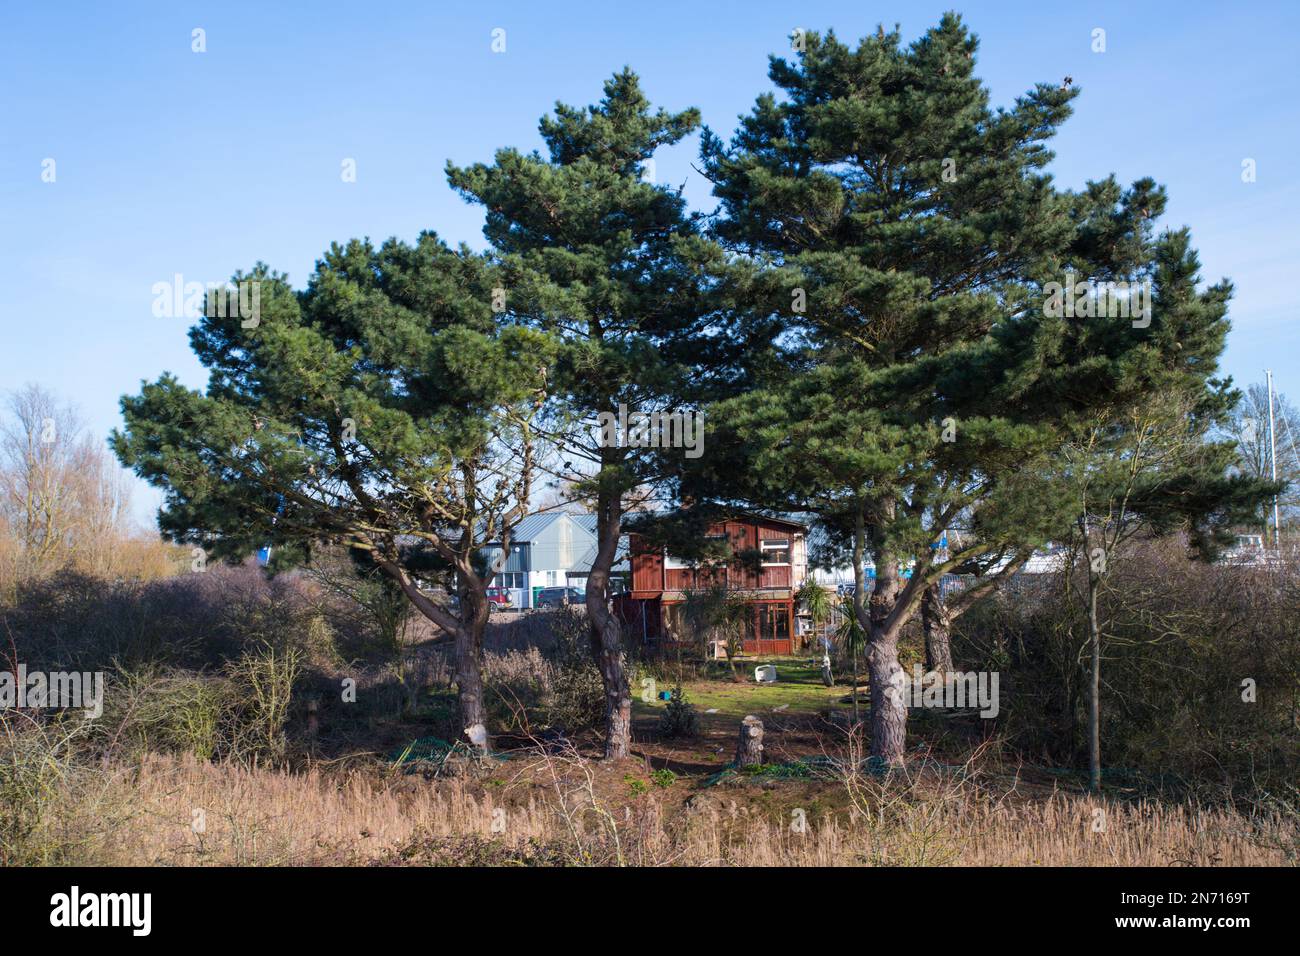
[
  {"x": 755, "y": 516},
  {"x": 531, "y": 527}
]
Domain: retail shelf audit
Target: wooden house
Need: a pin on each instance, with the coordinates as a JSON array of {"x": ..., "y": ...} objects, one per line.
[{"x": 778, "y": 564}]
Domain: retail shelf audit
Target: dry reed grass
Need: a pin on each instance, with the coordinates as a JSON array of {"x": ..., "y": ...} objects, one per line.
[{"x": 184, "y": 811}]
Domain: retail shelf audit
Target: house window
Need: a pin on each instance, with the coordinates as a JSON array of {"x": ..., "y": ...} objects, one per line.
[
  {"x": 776, "y": 552},
  {"x": 509, "y": 579},
  {"x": 773, "y": 622}
]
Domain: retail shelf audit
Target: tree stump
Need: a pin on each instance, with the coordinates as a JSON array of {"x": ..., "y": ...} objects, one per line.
[
  {"x": 313, "y": 718},
  {"x": 749, "y": 751}
]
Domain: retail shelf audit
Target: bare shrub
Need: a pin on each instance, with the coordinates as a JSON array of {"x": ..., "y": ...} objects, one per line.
[
  {"x": 76, "y": 621},
  {"x": 36, "y": 764},
  {"x": 240, "y": 713},
  {"x": 1200, "y": 673},
  {"x": 553, "y": 683},
  {"x": 576, "y": 701},
  {"x": 156, "y": 709},
  {"x": 265, "y": 678}
]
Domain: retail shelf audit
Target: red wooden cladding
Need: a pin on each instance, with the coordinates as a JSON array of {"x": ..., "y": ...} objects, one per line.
[
  {"x": 771, "y": 628},
  {"x": 650, "y": 574},
  {"x": 647, "y": 569},
  {"x": 776, "y": 577},
  {"x": 690, "y": 579}
]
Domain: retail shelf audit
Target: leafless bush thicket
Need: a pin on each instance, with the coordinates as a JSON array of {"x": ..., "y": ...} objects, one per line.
[{"x": 1201, "y": 673}]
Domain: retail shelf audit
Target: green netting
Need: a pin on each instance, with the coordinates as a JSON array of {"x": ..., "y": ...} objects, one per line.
[
  {"x": 821, "y": 767},
  {"x": 434, "y": 751}
]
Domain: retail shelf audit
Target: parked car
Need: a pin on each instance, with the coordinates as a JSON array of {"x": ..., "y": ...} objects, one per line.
[
  {"x": 440, "y": 597},
  {"x": 554, "y": 597},
  {"x": 499, "y": 599}
]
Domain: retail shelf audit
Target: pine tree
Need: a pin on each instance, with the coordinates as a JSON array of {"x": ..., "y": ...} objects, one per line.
[
  {"x": 386, "y": 408},
  {"x": 613, "y": 264},
  {"x": 927, "y": 378}
]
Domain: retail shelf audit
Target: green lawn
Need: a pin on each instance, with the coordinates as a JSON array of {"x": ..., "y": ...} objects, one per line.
[{"x": 799, "y": 688}]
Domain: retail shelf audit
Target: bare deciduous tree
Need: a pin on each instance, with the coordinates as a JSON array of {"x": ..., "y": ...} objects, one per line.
[
  {"x": 1248, "y": 426},
  {"x": 63, "y": 501}
]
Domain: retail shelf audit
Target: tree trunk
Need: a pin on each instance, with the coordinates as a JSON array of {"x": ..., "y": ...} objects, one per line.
[
  {"x": 857, "y": 719},
  {"x": 618, "y": 699},
  {"x": 937, "y": 623},
  {"x": 749, "y": 749},
  {"x": 888, "y": 710},
  {"x": 1094, "y": 690},
  {"x": 605, "y": 631},
  {"x": 469, "y": 676},
  {"x": 466, "y": 633},
  {"x": 859, "y": 605}
]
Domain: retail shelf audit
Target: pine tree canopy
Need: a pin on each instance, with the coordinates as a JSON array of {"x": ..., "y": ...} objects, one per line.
[
  {"x": 384, "y": 405},
  {"x": 593, "y": 250},
  {"x": 926, "y": 385}
]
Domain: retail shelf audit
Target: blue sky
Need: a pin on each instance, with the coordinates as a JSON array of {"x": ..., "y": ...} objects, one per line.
[{"x": 170, "y": 161}]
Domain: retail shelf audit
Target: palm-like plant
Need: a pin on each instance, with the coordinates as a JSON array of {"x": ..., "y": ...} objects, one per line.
[
  {"x": 851, "y": 637},
  {"x": 814, "y": 599},
  {"x": 721, "y": 614}
]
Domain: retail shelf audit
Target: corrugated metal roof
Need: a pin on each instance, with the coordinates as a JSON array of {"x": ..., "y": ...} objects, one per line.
[
  {"x": 620, "y": 555},
  {"x": 532, "y": 525}
]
